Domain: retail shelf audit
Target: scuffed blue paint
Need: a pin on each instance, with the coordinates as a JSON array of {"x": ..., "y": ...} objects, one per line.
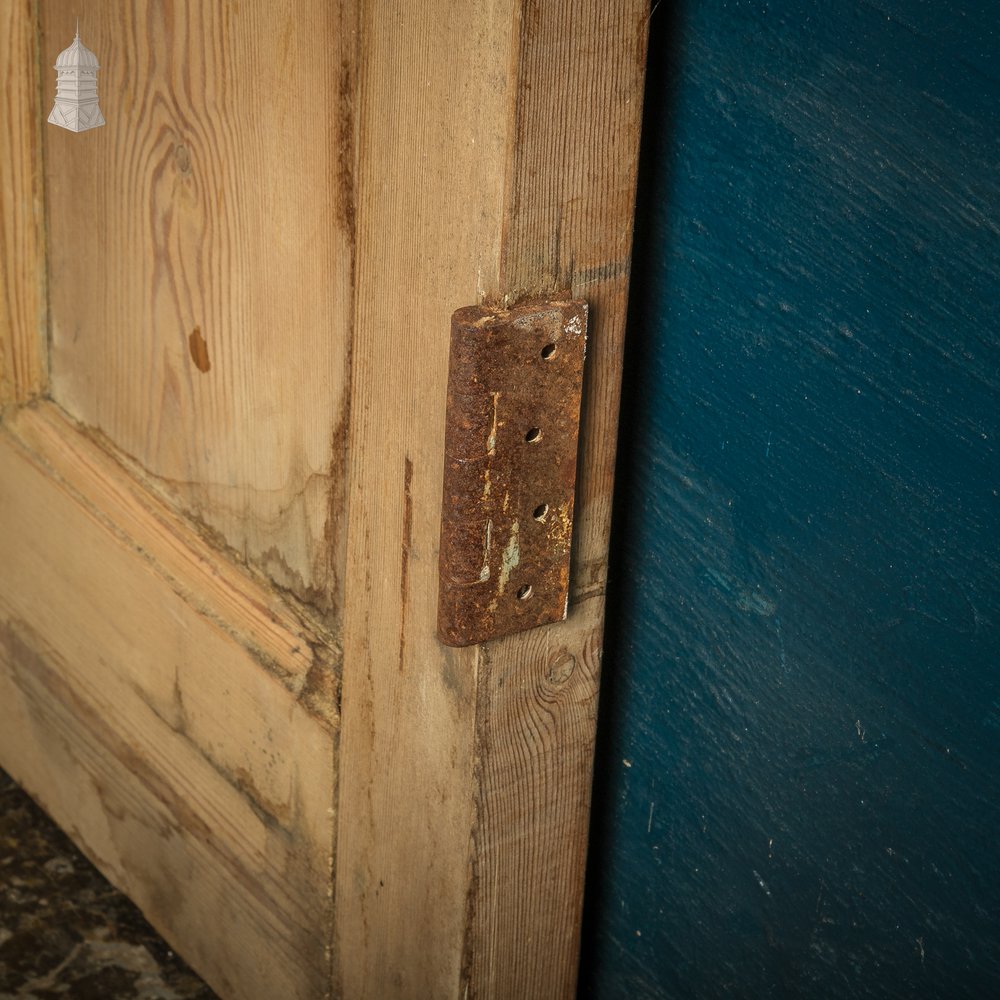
[{"x": 800, "y": 735}]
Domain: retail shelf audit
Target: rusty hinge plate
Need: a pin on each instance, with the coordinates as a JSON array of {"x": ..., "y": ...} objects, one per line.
[{"x": 514, "y": 386}]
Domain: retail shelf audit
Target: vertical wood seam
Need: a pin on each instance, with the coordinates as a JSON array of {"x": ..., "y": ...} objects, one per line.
[
  {"x": 22, "y": 271},
  {"x": 44, "y": 332},
  {"x": 536, "y": 693},
  {"x": 502, "y": 294},
  {"x": 350, "y": 189}
]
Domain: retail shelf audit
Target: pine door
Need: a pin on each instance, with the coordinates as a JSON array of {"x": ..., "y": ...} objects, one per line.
[{"x": 224, "y": 329}]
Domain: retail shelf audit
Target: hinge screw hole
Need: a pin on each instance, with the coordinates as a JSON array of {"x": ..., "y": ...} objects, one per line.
[
  {"x": 524, "y": 592},
  {"x": 534, "y": 435},
  {"x": 540, "y": 512},
  {"x": 548, "y": 350}
]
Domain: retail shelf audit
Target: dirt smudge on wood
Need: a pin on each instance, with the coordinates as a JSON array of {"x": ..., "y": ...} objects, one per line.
[{"x": 199, "y": 350}]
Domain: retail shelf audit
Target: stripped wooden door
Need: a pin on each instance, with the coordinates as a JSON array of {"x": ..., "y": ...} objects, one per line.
[{"x": 224, "y": 329}]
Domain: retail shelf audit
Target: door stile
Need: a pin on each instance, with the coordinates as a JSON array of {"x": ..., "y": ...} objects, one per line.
[
  {"x": 569, "y": 202},
  {"x": 23, "y": 354},
  {"x": 498, "y": 163}
]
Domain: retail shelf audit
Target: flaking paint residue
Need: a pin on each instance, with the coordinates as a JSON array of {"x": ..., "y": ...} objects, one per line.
[
  {"x": 484, "y": 573},
  {"x": 491, "y": 441},
  {"x": 560, "y": 527},
  {"x": 510, "y": 559}
]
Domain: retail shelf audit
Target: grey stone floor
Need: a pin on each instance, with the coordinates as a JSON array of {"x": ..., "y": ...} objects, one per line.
[{"x": 65, "y": 932}]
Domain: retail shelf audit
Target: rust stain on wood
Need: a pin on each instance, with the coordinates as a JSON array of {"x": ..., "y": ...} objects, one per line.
[
  {"x": 199, "y": 350},
  {"x": 514, "y": 387}
]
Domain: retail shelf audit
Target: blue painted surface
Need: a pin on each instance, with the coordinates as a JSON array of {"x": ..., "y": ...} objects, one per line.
[{"x": 800, "y": 736}]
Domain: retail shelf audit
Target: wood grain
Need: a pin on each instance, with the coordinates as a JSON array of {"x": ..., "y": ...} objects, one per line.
[
  {"x": 201, "y": 253},
  {"x": 433, "y": 89},
  {"x": 210, "y": 305},
  {"x": 445, "y": 859},
  {"x": 567, "y": 228},
  {"x": 22, "y": 242},
  {"x": 568, "y": 212},
  {"x": 537, "y": 714},
  {"x": 283, "y": 638},
  {"x": 198, "y": 780}
]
